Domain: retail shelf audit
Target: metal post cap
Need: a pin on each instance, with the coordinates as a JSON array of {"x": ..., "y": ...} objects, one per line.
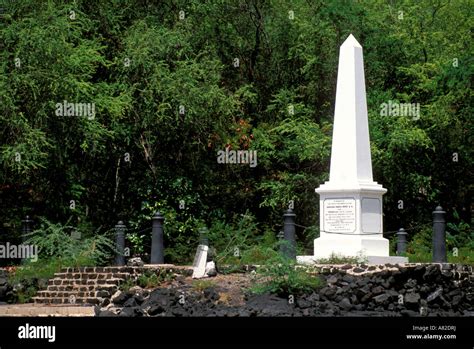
[
  {"x": 402, "y": 231},
  {"x": 289, "y": 213},
  {"x": 158, "y": 216}
]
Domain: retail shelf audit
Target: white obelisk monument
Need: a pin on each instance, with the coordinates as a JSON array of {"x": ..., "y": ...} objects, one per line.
[{"x": 351, "y": 202}]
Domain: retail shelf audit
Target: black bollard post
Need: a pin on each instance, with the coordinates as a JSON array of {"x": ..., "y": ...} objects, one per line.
[
  {"x": 439, "y": 235},
  {"x": 157, "y": 249},
  {"x": 289, "y": 246},
  {"x": 401, "y": 241},
  {"x": 120, "y": 243},
  {"x": 26, "y": 227},
  {"x": 203, "y": 239}
]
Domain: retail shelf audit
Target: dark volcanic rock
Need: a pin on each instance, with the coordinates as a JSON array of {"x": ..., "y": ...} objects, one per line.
[
  {"x": 433, "y": 296},
  {"x": 411, "y": 300},
  {"x": 411, "y": 283},
  {"x": 348, "y": 278},
  {"x": 130, "y": 312},
  {"x": 410, "y": 313},
  {"x": 211, "y": 294},
  {"x": 432, "y": 272},
  {"x": 131, "y": 302},
  {"x": 269, "y": 305},
  {"x": 377, "y": 290},
  {"x": 345, "y": 304},
  {"x": 303, "y": 303},
  {"x": 328, "y": 292},
  {"x": 120, "y": 297},
  {"x": 381, "y": 299}
]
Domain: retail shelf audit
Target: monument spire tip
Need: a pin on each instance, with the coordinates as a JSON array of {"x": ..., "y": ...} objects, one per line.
[{"x": 351, "y": 41}]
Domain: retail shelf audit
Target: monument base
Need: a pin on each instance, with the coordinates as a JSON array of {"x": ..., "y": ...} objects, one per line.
[
  {"x": 371, "y": 260},
  {"x": 350, "y": 245},
  {"x": 371, "y": 249}
]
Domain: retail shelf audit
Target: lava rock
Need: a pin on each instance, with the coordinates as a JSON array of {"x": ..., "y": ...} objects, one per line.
[
  {"x": 411, "y": 300},
  {"x": 411, "y": 283},
  {"x": 345, "y": 304},
  {"x": 456, "y": 300},
  {"x": 432, "y": 272},
  {"x": 211, "y": 294},
  {"x": 269, "y": 305},
  {"x": 156, "y": 309},
  {"x": 4, "y": 291},
  {"x": 409, "y": 313},
  {"x": 104, "y": 302},
  {"x": 381, "y": 299},
  {"x": 377, "y": 290},
  {"x": 348, "y": 278},
  {"x": 131, "y": 302},
  {"x": 302, "y": 303},
  {"x": 131, "y": 312},
  {"x": 120, "y": 297},
  {"x": 328, "y": 292},
  {"x": 433, "y": 296},
  {"x": 314, "y": 298}
]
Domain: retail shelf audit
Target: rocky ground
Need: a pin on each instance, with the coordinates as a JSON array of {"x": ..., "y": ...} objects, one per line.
[{"x": 417, "y": 290}]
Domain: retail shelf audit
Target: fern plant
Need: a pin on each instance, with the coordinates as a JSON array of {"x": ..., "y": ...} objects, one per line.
[{"x": 57, "y": 241}]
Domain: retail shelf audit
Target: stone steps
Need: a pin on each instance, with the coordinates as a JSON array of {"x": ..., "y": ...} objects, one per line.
[
  {"x": 92, "y": 285},
  {"x": 77, "y": 300},
  {"x": 87, "y": 285},
  {"x": 82, "y": 288},
  {"x": 82, "y": 282},
  {"x": 91, "y": 276},
  {"x": 76, "y": 294}
]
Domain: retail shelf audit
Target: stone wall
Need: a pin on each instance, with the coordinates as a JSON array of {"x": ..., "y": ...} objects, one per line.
[{"x": 350, "y": 290}]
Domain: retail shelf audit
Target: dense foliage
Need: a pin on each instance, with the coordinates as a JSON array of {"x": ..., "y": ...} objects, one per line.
[{"x": 173, "y": 82}]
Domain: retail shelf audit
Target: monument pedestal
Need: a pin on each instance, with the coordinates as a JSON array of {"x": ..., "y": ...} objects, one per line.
[{"x": 351, "y": 221}]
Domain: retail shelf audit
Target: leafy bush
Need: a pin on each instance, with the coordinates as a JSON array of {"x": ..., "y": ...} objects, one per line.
[
  {"x": 59, "y": 246},
  {"x": 152, "y": 279},
  {"x": 148, "y": 279},
  {"x": 282, "y": 276},
  {"x": 421, "y": 242},
  {"x": 180, "y": 230},
  {"x": 70, "y": 246},
  {"x": 458, "y": 236},
  {"x": 242, "y": 241},
  {"x": 339, "y": 259},
  {"x": 31, "y": 277},
  {"x": 201, "y": 285}
]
